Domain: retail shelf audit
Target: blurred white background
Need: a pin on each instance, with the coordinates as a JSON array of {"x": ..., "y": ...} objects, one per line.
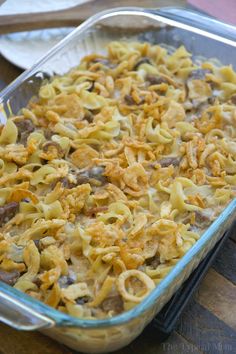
[
  {"x": 24, "y": 6},
  {"x": 25, "y": 48}
]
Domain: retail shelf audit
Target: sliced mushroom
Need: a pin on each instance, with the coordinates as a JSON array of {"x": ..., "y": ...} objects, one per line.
[
  {"x": 9, "y": 278},
  {"x": 37, "y": 244},
  {"x": 48, "y": 133},
  {"x": 212, "y": 100},
  {"x": 24, "y": 127},
  {"x": 92, "y": 176},
  {"x": 156, "y": 80},
  {"x": 199, "y": 74},
  {"x": 233, "y": 99},
  {"x": 97, "y": 173},
  {"x": 66, "y": 183},
  {"x": 82, "y": 178},
  {"x": 203, "y": 218},
  {"x": 15, "y": 253},
  {"x": 83, "y": 300},
  {"x": 8, "y": 211},
  {"x": 65, "y": 281},
  {"x": 101, "y": 60},
  {"x": 113, "y": 303},
  {"x": 167, "y": 161},
  {"x": 153, "y": 262},
  {"x": 91, "y": 86},
  {"x": 129, "y": 100},
  {"x": 144, "y": 60},
  {"x": 88, "y": 116},
  {"x": 104, "y": 62}
]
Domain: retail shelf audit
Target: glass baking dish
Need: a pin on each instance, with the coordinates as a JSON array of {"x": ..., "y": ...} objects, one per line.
[{"x": 202, "y": 36}]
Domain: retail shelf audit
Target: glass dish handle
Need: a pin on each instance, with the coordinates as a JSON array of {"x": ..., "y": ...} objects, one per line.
[
  {"x": 17, "y": 315},
  {"x": 199, "y": 20}
]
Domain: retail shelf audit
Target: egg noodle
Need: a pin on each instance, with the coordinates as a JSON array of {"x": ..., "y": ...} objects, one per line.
[{"x": 112, "y": 173}]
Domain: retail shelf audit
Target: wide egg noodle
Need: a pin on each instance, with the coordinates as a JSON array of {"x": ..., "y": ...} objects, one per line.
[{"x": 113, "y": 173}]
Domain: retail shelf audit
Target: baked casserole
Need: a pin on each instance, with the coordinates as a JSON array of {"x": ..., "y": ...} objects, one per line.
[{"x": 112, "y": 173}]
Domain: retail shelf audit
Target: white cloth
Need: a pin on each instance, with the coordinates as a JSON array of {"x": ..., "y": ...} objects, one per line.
[
  {"x": 29, "y": 6},
  {"x": 24, "y": 48}
]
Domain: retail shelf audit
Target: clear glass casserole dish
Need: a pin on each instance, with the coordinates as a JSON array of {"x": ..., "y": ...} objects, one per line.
[{"x": 203, "y": 37}]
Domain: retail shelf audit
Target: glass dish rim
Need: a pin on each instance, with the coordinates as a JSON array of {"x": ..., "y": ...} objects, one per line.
[
  {"x": 60, "y": 318},
  {"x": 139, "y": 11}
]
